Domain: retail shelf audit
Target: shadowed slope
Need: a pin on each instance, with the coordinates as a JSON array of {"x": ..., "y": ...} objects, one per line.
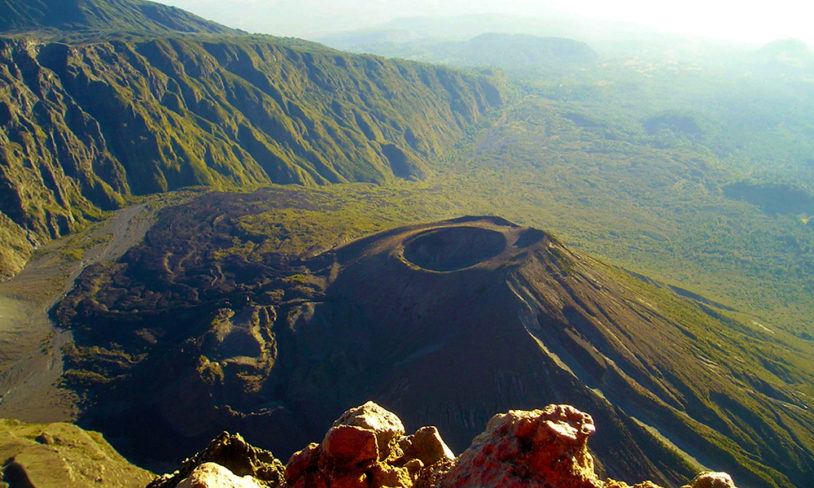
[{"x": 276, "y": 348}]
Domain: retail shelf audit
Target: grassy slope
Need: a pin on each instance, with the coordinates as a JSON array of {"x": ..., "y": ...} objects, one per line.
[
  {"x": 659, "y": 210},
  {"x": 689, "y": 161},
  {"x": 83, "y": 18},
  {"x": 63, "y": 455},
  {"x": 88, "y": 126}
]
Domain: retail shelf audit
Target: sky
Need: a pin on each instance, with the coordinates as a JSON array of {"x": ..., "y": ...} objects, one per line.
[{"x": 752, "y": 21}]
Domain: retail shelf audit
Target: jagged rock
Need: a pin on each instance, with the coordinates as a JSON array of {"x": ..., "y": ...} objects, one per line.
[
  {"x": 621, "y": 484},
  {"x": 346, "y": 445},
  {"x": 302, "y": 464},
  {"x": 212, "y": 475},
  {"x": 431, "y": 476},
  {"x": 385, "y": 424},
  {"x": 233, "y": 453},
  {"x": 366, "y": 447},
  {"x": 529, "y": 449},
  {"x": 711, "y": 479},
  {"x": 427, "y": 446}
]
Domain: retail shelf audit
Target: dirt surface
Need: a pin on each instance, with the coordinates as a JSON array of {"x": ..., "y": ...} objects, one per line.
[
  {"x": 30, "y": 346},
  {"x": 453, "y": 248},
  {"x": 60, "y": 455}
]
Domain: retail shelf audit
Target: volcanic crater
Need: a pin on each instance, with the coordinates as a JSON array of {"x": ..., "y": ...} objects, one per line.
[{"x": 453, "y": 248}]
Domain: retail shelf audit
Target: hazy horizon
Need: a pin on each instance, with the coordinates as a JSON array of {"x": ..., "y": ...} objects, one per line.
[{"x": 749, "y": 22}]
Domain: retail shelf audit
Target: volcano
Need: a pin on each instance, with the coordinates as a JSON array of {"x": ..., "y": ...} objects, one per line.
[{"x": 443, "y": 323}]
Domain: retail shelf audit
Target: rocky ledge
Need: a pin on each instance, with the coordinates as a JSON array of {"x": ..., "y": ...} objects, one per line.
[{"x": 367, "y": 447}]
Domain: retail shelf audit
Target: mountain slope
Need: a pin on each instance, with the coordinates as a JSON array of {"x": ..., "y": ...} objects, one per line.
[
  {"x": 515, "y": 53},
  {"x": 85, "y": 17},
  {"x": 86, "y": 126},
  {"x": 61, "y": 454},
  {"x": 444, "y": 323}
]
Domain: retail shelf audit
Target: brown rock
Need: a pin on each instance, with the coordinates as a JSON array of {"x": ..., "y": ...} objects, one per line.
[
  {"x": 370, "y": 416},
  {"x": 413, "y": 466},
  {"x": 302, "y": 461},
  {"x": 348, "y": 447},
  {"x": 385, "y": 475},
  {"x": 711, "y": 479},
  {"x": 529, "y": 449},
  {"x": 360, "y": 450},
  {"x": 212, "y": 475},
  {"x": 426, "y": 445},
  {"x": 431, "y": 476},
  {"x": 609, "y": 483},
  {"x": 62, "y": 455},
  {"x": 45, "y": 438},
  {"x": 235, "y": 454},
  {"x": 349, "y": 480}
]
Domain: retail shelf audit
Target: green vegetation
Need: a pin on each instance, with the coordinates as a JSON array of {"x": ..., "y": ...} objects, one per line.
[
  {"x": 78, "y": 245},
  {"x": 682, "y": 167},
  {"x": 105, "y": 101},
  {"x": 62, "y": 454},
  {"x": 666, "y": 211},
  {"x": 678, "y": 167},
  {"x": 689, "y": 163},
  {"x": 92, "y": 19},
  {"x": 89, "y": 126}
]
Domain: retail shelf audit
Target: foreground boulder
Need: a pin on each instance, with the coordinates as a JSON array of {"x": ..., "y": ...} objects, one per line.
[
  {"x": 367, "y": 448},
  {"x": 211, "y": 475},
  {"x": 711, "y": 479},
  {"x": 248, "y": 463},
  {"x": 538, "y": 448}
]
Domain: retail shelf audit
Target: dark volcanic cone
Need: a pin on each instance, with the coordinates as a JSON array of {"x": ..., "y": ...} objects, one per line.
[
  {"x": 447, "y": 324},
  {"x": 465, "y": 318}
]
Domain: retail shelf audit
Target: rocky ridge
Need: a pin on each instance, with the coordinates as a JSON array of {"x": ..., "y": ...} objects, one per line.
[
  {"x": 367, "y": 447},
  {"x": 88, "y": 19}
]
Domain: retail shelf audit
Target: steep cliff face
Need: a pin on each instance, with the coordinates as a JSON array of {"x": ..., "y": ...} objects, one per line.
[
  {"x": 85, "y": 126},
  {"x": 446, "y": 322}
]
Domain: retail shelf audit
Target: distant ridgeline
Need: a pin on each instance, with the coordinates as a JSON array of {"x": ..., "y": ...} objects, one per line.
[{"x": 105, "y": 100}]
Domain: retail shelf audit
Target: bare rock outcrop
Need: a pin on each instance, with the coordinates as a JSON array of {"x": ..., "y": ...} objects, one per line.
[
  {"x": 367, "y": 448},
  {"x": 712, "y": 479},
  {"x": 213, "y": 475},
  {"x": 529, "y": 448},
  {"x": 237, "y": 456}
]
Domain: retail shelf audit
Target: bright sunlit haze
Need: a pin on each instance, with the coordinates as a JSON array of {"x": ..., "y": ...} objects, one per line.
[{"x": 749, "y": 21}]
